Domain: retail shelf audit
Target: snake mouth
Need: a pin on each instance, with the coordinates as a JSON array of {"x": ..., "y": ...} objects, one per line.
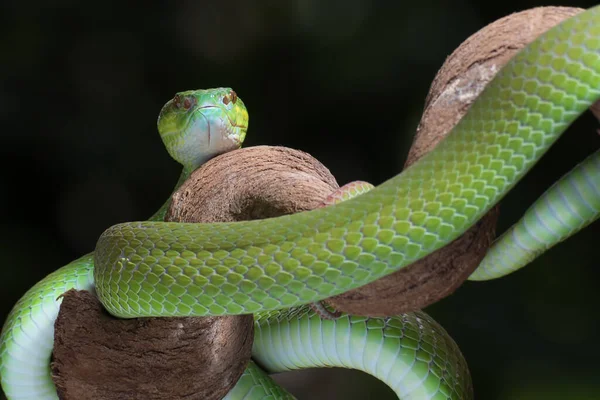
[
  {"x": 199, "y": 109},
  {"x": 232, "y": 123}
]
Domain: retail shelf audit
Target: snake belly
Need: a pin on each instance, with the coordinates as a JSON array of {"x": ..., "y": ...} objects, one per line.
[
  {"x": 411, "y": 353},
  {"x": 217, "y": 269},
  {"x": 413, "y": 346},
  {"x": 177, "y": 269},
  {"x": 568, "y": 206}
]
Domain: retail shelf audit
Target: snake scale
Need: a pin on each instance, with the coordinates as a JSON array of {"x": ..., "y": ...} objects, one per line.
[{"x": 273, "y": 268}]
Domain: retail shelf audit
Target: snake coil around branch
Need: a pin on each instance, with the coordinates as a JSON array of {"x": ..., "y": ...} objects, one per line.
[{"x": 263, "y": 182}]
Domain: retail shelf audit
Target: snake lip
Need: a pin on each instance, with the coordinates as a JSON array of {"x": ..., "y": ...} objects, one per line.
[
  {"x": 177, "y": 131},
  {"x": 230, "y": 121}
]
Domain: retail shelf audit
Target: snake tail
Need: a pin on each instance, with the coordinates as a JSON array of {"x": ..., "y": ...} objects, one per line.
[
  {"x": 256, "y": 384},
  {"x": 195, "y": 126},
  {"x": 564, "y": 209},
  {"x": 183, "y": 269}
]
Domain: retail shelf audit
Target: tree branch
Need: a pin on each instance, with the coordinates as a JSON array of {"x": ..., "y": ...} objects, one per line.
[{"x": 99, "y": 357}]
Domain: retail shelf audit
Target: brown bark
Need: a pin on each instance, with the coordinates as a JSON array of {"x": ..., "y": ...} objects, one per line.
[
  {"x": 252, "y": 183},
  {"x": 99, "y": 357},
  {"x": 457, "y": 84}
]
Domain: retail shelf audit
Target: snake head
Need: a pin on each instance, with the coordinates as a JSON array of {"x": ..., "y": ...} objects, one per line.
[{"x": 197, "y": 125}]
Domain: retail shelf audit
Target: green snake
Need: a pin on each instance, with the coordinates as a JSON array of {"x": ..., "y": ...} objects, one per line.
[{"x": 273, "y": 268}]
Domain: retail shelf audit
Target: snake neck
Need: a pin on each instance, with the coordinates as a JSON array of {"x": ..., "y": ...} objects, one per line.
[{"x": 162, "y": 211}]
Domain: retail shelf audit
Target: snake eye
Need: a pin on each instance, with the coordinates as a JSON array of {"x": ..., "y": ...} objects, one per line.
[
  {"x": 230, "y": 98},
  {"x": 183, "y": 102}
]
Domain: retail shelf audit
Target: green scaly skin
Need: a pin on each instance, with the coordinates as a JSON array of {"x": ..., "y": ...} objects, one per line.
[
  {"x": 255, "y": 384},
  {"x": 246, "y": 267},
  {"x": 27, "y": 337},
  {"x": 256, "y": 266},
  {"x": 568, "y": 206},
  {"x": 411, "y": 353},
  {"x": 28, "y": 333}
]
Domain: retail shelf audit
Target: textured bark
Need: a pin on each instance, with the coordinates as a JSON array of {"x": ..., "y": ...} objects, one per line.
[
  {"x": 457, "y": 84},
  {"x": 99, "y": 357},
  {"x": 239, "y": 189},
  {"x": 252, "y": 183}
]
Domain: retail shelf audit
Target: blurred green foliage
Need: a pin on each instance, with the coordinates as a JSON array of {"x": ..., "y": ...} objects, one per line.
[{"x": 345, "y": 80}]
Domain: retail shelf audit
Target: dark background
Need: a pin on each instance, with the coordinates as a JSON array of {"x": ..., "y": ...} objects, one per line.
[{"x": 81, "y": 87}]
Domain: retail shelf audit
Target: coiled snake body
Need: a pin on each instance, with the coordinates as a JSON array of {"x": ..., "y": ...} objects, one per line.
[{"x": 172, "y": 269}]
